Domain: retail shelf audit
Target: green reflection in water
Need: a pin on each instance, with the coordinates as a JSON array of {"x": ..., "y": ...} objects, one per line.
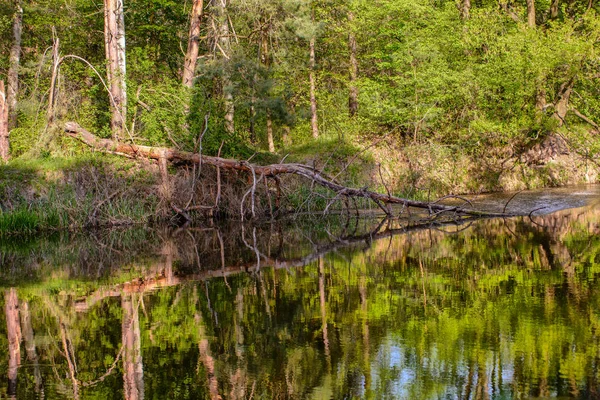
[{"x": 496, "y": 309}]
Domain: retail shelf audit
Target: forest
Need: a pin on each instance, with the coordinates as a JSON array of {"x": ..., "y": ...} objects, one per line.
[{"x": 414, "y": 98}]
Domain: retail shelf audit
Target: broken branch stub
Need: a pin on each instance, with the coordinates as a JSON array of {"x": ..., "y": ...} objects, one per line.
[{"x": 270, "y": 171}]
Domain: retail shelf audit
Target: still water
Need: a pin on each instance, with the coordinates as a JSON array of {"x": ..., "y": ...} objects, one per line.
[{"x": 331, "y": 308}]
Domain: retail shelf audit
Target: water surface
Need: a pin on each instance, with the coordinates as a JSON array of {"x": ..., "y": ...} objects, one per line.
[{"x": 330, "y": 308}]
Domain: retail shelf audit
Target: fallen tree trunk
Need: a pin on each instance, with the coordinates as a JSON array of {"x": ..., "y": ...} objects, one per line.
[{"x": 269, "y": 171}]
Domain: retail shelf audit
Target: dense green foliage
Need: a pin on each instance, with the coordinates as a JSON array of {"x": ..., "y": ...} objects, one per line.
[{"x": 424, "y": 73}]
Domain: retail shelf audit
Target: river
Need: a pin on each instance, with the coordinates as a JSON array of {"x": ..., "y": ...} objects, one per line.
[{"x": 328, "y": 308}]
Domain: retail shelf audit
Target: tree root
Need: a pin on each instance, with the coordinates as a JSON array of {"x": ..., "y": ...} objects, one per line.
[{"x": 268, "y": 171}]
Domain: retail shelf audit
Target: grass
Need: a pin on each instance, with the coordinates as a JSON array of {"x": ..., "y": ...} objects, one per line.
[{"x": 56, "y": 193}]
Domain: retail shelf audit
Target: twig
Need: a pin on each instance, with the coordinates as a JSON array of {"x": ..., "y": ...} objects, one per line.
[{"x": 509, "y": 200}]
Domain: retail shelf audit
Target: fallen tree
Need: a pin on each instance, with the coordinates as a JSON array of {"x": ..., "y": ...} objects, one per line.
[{"x": 164, "y": 155}]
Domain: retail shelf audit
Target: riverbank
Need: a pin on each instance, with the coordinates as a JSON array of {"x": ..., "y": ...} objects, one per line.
[{"x": 100, "y": 190}]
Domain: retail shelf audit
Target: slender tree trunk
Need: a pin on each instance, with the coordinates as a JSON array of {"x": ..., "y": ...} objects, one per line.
[
  {"x": 13, "y": 330},
  {"x": 191, "y": 55},
  {"x": 67, "y": 347},
  {"x": 270, "y": 132},
  {"x": 32, "y": 356},
  {"x": 314, "y": 122},
  {"x": 561, "y": 106},
  {"x": 239, "y": 377},
  {"x": 4, "y": 137},
  {"x": 133, "y": 368},
  {"x": 53, "y": 81},
  {"x": 540, "y": 104},
  {"x": 554, "y": 9},
  {"x": 265, "y": 57},
  {"x": 465, "y": 9},
  {"x": 531, "y": 13},
  {"x": 353, "y": 94},
  {"x": 225, "y": 47},
  {"x": 251, "y": 128},
  {"x": 120, "y": 17},
  {"x": 362, "y": 288},
  {"x": 323, "y": 304},
  {"x": 287, "y": 135},
  {"x": 207, "y": 360},
  {"x": 114, "y": 41},
  {"x": 14, "y": 62}
]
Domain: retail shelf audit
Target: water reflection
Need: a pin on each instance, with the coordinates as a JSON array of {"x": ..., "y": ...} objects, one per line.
[{"x": 327, "y": 309}]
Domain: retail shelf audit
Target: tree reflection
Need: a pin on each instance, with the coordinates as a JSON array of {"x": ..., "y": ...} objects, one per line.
[{"x": 499, "y": 309}]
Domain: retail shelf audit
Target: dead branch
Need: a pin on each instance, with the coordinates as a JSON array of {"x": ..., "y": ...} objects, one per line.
[
  {"x": 585, "y": 118},
  {"x": 270, "y": 171}
]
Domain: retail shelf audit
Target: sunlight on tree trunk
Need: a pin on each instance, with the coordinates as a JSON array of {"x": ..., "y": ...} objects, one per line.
[
  {"x": 133, "y": 368},
  {"x": 14, "y": 64},
  {"x": 4, "y": 136},
  {"x": 313, "y": 97},
  {"x": 191, "y": 55},
  {"x": 265, "y": 57},
  {"x": 531, "y": 13},
  {"x": 114, "y": 41},
  {"x": 353, "y": 92},
  {"x": 13, "y": 330},
  {"x": 224, "y": 43}
]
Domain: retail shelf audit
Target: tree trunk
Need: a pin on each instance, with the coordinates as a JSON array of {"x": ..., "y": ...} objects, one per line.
[
  {"x": 270, "y": 132},
  {"x": 561, "y": 106},
  {"x": 353, "y": 93},
  {"x": 114, "y": 41},
  {"x": 191, "y": 55},
  {"x": 207, "y": 360},
  {"x": 531, "y": 13},
  {"x": 32, "y": 356},
  {"x": 14, "y": 62},
  {"x": 323, "y": 308},
  {"x": 4, "y": 139},
  {"x": 13, "y": 330},
  {"x": 224, "y": 44},
  {"x": 265, "y": 58},
  {"x": 133, "y": 369},
  {"x": 554, "y": 9},
  {"x": 465, "y": 9},
  {"x": 540, "y": 104},
  {"x": 287, "y": 136},
  {"x": 313, "y": 97},
  {"x": 53, "y": 81}
]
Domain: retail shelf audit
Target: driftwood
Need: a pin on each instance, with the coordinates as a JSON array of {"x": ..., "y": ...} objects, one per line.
[{"x": 267, "y": 171}]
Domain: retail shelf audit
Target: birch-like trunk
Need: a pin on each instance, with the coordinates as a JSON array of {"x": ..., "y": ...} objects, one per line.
[
  {"x": 323, "y": 307},
  {"x": 4, "y": 138},
  {"x": 531, "y": 13},
  {"x": 353, "y": 92},
  {"x": 32, "y": 356},
  {"x": 14, "y": 62},
  {"x": 114, "y": 41},
  {"x": 266, "y": 61},
  {"x": 191, "y": 55},
  {"x": 133, "y": 368},
  {"x": 224, "y": 44},
  {"x": 13, "y": 330},
  {"x": 314, "y": 122}
]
